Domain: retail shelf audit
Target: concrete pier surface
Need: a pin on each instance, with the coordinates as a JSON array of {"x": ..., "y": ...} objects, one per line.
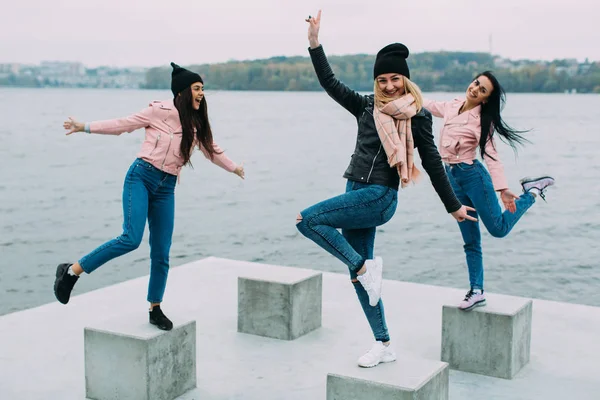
[{"x": 42, "y": 349}]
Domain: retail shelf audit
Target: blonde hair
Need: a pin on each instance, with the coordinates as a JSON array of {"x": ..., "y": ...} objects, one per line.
[{"x": 381, "y": 99}]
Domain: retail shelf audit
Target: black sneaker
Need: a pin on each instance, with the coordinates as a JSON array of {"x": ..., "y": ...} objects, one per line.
[
  {"x": 63, "y": 284},
  {"x": 159, "y": 319}
]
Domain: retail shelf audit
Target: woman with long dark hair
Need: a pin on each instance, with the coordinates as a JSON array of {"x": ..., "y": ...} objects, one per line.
[
  {"x": 470, "y": 124},
  {"x": 173, "y": 129}
]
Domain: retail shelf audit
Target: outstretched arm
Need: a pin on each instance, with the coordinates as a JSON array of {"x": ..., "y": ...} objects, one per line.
[
  {"x": 219, "y": 158},
  {"x": 435, "y": 107},
  {"x": 111, "y": 126}
]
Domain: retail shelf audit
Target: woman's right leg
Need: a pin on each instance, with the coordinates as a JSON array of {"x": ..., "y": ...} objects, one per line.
[{"x": 135, "y": 211}]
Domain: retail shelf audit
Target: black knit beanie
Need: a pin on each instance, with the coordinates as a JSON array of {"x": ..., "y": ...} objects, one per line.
[
  {"x": 182, "y": 78},
  {"x": 392, "y": 59}
]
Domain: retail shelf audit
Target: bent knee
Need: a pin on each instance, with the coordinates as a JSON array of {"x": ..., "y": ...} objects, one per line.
[
  {"x": 133, "y": 245},
  {"x": 130, "y": 243},
  {"x": 498, "y": 233}
]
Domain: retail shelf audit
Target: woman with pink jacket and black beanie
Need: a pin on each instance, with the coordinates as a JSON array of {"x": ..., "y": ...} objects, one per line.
[
  {"x": 469, "y": 124},
  {"x": 173, "y": 129}
]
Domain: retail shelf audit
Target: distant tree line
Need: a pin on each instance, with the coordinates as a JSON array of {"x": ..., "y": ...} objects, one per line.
[{"x": 432, "y": 71}]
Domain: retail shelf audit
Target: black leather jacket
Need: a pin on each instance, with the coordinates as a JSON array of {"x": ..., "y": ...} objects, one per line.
[{"x": 369, "y": 161}]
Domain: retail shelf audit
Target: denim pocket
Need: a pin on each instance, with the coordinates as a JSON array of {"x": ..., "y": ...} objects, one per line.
[{"x": 146, "y": 165}]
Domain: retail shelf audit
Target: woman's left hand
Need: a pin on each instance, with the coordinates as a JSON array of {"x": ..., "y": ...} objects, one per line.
[
  {"x": 73, "y": 126},
  {"x": 461, "y": 214},
  {"x": 508, "y": 199},
  {"x": 239, "y": 171}
]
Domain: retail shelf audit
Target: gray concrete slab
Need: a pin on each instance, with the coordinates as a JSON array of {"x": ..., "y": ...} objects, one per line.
[
  {"x": 282, "y": 305},
  {"x": 131, "y": 359},
  {"x": 42, "y": 352},
  {"x": 494, "y": 342},
  {"x": 408, "y": 378}
]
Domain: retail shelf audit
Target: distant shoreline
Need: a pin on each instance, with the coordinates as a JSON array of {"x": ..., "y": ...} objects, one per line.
[
  {"x": 433, "y": 71},
  {"x": 265, "y": 91}
]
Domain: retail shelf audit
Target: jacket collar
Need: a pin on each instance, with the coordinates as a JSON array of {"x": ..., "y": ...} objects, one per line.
[
  {"x": 165, "y": 104},
  {"x": 472, "y": 113}
]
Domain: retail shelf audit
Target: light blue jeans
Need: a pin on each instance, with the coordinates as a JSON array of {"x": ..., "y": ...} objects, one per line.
[
  {"x": 357, "y": 213},
  {"x": 148, "y": 193},
  {"x": 474, "y": 188}
]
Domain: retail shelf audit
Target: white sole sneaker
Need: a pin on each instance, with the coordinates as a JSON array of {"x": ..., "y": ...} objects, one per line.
[
  {"x": 378, "y": 276},
  {"x": 385, "y": 359},
  {"x": 377, "y": 355},
  {"x": 541, "y": 184}
]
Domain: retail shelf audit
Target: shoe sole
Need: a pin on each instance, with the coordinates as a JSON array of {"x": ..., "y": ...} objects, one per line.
[
  {"x": 161, "y": 327},
  {"x": 383, "y": 360},
  {"x": 368, "y": 294},
  {"x": 379, "y": 269},
  {"x": 481, "y": 303},
  {"x": 529, "y": 180}
]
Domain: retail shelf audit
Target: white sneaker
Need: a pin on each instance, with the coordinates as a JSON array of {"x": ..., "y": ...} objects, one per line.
[
  {"x": 379, "y": 353},
  {"x": 540, "y": 184},
  {"x": 472, "y": 300},
  {"x": 372, "y": 280}
]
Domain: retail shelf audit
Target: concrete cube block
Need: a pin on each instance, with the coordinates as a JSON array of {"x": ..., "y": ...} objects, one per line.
[
  {"x": 494, "y": 340},
  {"x": 408, "y": 378},
  {"x": 283, "y": 303},
  {"x": 131, "y": 359}
]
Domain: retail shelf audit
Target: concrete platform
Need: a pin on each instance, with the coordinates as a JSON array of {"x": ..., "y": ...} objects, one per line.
[
  {"x": 494, "y": 340},
  {"x": 283, "y": 304},
  {"x": 407, "y": 378},
  {"x": 131, "y": 359},
  {"x": 42, "y": 352}
]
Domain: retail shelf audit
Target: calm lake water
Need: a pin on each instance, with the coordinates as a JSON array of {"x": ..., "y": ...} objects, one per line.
[{"x": 61, "y": 195}]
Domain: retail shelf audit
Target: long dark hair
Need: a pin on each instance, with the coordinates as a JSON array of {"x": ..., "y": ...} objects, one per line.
[
  {"x": 190, "y": 119},
  {"x": 491, "y": 120}
]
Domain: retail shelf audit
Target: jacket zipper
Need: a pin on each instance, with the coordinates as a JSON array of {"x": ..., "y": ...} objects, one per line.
[
  {"x": 155, "y": 144},
  {"x": 168, "y": 148},
  {"x": 374, "y": 158},
  {"x": 373, "y": 164}
]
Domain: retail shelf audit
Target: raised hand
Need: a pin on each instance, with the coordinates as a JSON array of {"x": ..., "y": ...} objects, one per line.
[{"x": 314, "y": 24}]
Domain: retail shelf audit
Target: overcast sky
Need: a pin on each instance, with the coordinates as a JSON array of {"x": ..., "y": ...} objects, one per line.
[{"x": 155, "y": 32}]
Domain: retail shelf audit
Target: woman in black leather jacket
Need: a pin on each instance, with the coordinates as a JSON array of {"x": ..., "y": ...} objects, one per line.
[{"x": 391, "y": 123}]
